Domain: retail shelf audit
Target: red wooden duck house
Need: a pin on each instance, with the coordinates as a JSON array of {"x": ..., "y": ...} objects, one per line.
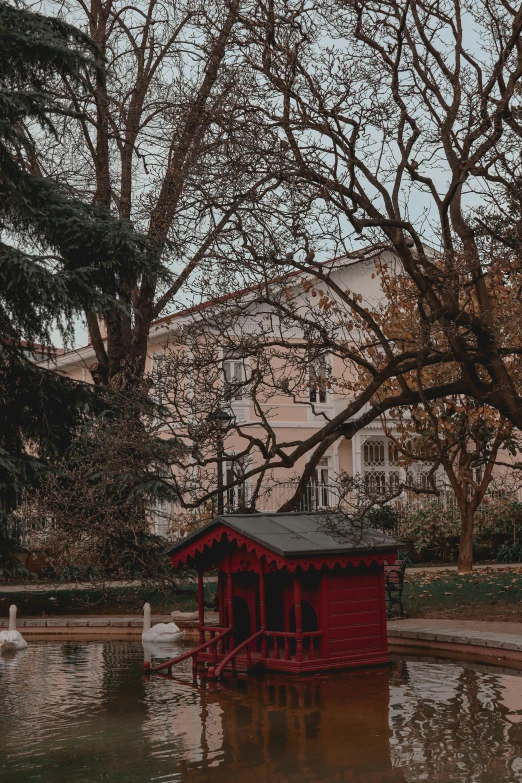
[{"x": 295, "y": 594}]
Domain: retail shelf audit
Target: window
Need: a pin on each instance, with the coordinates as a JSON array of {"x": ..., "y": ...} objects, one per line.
[
  {"x": 319, "y": 372},
  {"x": 236, "y": 496},
  {"x": 322, "y": 485},
  {"x": 380, "y": 466},
  {"x": 158, "y": 378},
  {"x": 318, "y": 493},
  {"x": 161, "y": 518},
  {"x": 374, "y": 454},
  {"x": 234, "y": 372}
]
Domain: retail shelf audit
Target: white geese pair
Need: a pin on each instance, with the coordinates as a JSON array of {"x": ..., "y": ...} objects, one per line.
[
  {"x": 161, "y": 633},
  {"x": 12, "y": 640}
]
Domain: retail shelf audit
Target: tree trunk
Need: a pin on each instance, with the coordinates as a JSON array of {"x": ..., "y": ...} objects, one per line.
[{"x": 467, "y": 516}]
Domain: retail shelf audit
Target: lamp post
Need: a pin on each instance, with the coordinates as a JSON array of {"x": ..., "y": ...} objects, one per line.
[{"x": 221, "y": 419}]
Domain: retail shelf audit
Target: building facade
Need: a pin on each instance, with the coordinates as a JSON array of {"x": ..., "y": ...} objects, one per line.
[{"x": 370, "y": 455}]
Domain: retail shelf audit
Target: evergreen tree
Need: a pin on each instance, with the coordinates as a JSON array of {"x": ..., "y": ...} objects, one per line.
[{"x": 56, "y": 254}]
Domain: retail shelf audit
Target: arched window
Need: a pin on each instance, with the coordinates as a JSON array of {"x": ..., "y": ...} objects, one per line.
[{"x": 380, "y": 468}]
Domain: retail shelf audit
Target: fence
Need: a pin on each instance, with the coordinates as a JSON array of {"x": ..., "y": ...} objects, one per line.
[{"x": 172, "y": 521}]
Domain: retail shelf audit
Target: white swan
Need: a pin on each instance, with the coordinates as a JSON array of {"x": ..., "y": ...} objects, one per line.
[
  {"x": 12, "y": 639},
  {"x": 161, "y": 633}
]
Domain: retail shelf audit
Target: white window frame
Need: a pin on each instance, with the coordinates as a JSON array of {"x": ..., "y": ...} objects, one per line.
[
  {"x": 158, "y": 390},
  {"x": 318, "y": 395},
  {"x": 319, "y": 492},
  {"x": 233, "y": 493},
  {"x": 381, "y": 471},
  {"x": 161, "y": 518},
  {"x": 234, "y": 372},
  {"x": 322, "y": 481}
]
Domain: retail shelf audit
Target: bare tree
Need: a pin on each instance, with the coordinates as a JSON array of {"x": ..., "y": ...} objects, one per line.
[
  {"x": 398, "y": 122},
  {"x": 378, "y": 121},
  {"x": 161, "y": 140},
  {"x": 394, "y": 125},
  {"x": 467, "y": 441},
  {"x": 230, "y": 364}
]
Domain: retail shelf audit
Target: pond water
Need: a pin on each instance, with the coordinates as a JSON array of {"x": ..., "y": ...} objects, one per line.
[{"x": 82, "y": 712}]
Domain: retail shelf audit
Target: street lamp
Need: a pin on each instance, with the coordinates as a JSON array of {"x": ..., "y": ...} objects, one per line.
[{"x": 221, "y": 419}]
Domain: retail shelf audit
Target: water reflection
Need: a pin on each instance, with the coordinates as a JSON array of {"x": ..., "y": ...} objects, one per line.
[
  {"x": 313, "y": 729},
  {"x": 456, "y": 722},
  {"x": 12, "y": 658},
  {"x": 83, "y": 713},
  {"x": 157, "y": 651}
]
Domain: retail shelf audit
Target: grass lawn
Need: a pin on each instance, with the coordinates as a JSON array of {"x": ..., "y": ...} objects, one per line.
[{"x": 482, "y": 595}]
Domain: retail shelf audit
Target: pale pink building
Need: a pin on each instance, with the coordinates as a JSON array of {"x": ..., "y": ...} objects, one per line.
[{"x": 368, "y": 451}]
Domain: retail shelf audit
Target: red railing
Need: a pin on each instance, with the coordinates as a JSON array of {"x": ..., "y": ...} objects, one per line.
[
  {"x": 218, "y": 635},
  {"x": 215, "y": 672},
  {"x": 191, "y": 653},
  {"x": 288, "y": 636}
]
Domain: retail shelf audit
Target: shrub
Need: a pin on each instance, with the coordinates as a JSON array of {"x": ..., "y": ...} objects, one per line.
[
  {"x": 511, "y": 553},
  {"x": 385, "y": 518},
  {"x": 430, "y": 529}
]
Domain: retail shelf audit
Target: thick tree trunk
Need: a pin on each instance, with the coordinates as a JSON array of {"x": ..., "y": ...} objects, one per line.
[{"x": 467, "y": 516}]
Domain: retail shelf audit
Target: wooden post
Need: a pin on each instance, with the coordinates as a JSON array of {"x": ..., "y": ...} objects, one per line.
[
  {"x": 262, "y": 612},
  {"x": 201, "y": 607},
  {"x": 230, "y": 596},
  {"x": 298, "y": 618}
]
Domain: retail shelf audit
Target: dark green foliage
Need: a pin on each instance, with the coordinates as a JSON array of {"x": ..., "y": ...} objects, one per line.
[
  {"x": 56, "y": 253},
  {"x": 40, "y": 413},
  {"x": 384, "y": 518},
  {"x": 510, "y": 553},
  {"x": 62, "y": 251},
  {"x": 10, "y": 566},
  {"x": 97, "y": 501}
]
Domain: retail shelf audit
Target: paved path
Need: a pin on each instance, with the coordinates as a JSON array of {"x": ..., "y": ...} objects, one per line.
[
  {"x": 98, "y": 627},
  {"x": 493, "y": 640},
  {"x": 87, "y": 621},
  {"x": 51, "y": 587},
  {"x": 487, "y": 567},
  {"x": 101, "y": 621},
  {"x": 497, "y": 635},
  {"x": 39, "y": 587}
]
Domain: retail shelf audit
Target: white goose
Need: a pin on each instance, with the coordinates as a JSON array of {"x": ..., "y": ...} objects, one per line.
[
  {"x": 12, "y": 639},
  {"x": 161, "y": 633}
]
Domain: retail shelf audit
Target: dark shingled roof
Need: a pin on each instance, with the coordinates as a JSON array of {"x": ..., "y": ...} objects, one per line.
[{"x": 295, "y": 534}]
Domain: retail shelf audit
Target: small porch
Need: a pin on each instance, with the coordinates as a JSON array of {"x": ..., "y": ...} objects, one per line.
[{"x": 264, "y": 618}]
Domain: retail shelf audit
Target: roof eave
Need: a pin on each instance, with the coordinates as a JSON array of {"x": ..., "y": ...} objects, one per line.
[{"x": 382, "y": 547}]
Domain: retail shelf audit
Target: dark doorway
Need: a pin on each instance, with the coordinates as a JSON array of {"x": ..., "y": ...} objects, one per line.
[
  {"x": 309, "y": 623},
  {"x": 309, "y": 617},
  {"x": 275, "y": 613},
  {"x": 242, "y": 620}
]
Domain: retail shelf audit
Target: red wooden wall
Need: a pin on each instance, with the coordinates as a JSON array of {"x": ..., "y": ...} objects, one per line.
[{"x": 354, "y": 607}]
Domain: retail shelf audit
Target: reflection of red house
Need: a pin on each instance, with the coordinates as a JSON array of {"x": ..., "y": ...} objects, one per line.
[{"x": 293, "y": 594}]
